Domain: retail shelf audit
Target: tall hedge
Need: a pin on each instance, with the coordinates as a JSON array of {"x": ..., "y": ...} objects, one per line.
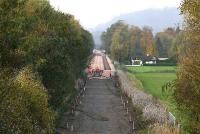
[
  {"x": 187, "y": 91},
  {"x": 42, "y": 53}
]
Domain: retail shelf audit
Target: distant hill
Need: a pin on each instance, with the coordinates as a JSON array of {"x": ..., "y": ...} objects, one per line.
[{"x": 158, "y": 19}]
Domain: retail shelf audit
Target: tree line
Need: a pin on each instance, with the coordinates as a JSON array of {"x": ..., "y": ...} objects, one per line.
[
  {"x": 187, "y": 86},
  {"x": 42, "y": 53},
  {"x": 125, "y": 42}
]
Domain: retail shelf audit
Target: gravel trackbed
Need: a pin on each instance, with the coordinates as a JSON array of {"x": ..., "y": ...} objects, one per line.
[{"x": 100, "y": 112}]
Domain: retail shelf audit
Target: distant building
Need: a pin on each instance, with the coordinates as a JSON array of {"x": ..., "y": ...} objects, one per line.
[
  {"x": 150, "y": 60},
  {"x": 162, "y": 59},
  {"x": 137, "y": 62}
]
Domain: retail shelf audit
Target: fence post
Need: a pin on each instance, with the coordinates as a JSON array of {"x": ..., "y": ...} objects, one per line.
[
  {"x": 179, "y": 128},
  {"x": 72, "y": 128},
  {"x": 127, "y": 110},
  {"x": 133, "y": 127}
]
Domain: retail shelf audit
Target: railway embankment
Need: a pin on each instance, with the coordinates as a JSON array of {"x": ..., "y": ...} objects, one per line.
[{"x": 152, "y": 110}]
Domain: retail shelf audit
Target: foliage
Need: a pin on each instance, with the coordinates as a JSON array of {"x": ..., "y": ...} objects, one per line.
[
  {"x": 164, "y": 41},
  {"x": 106, "y": 37},
  {"x": 11, "y": 29},
  {"x": 126, "y": 42},
  {"x": 187, "y": 86},
  {"x": 24, "y": 104},
  {"x": 119, "y": 42},
  {"x": 147, "y": 42},
  {"x": 36, "y": 39},
  {"x": 134, "y": 48},
  {"x": 179, "y": 44}
]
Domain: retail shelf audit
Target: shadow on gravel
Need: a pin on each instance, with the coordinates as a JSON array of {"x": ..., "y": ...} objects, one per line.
[{"x": 94, "y": 116}]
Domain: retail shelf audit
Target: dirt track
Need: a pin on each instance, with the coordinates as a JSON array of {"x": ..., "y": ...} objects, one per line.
[{"x": 101, "y": 111}]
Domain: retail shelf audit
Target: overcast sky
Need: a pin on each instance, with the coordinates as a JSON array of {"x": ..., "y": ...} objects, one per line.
[{"x": 90, "y": 13}]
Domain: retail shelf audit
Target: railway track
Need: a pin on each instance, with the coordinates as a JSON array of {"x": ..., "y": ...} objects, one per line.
[
  {"x": 100, "y": 67},
  {"x": 105, "y": 63},
  {"x": 100, "y": 110}
]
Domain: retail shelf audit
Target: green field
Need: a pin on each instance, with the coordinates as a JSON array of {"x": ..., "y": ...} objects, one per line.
[
  {"x": 153, "y": 78},
  {"x": 153, "y": 82},
  {"x": 150, "y": 69}
]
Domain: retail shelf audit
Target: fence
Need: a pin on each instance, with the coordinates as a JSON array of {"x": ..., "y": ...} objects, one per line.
[{"x": 151, "y": 108}]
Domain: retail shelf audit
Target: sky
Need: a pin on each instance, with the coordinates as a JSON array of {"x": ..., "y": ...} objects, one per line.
[{"x": 91, "y": 13}]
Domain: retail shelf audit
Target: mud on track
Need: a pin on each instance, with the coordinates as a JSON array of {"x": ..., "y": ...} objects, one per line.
[{"x": 101, "y": 111}]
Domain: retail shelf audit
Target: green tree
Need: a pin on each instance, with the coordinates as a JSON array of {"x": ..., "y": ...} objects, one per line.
[
  {"x": 120, "y": 42},
  {"x": 179, "y": 44},
  {"x": 116, "y": 47},
  {"x": 134, "y": 47},
  {"x": 42, "y": 53},
  {"x": 11, "y": 28},
  {"x": 147, "y": 42},
  {"x": 131, "y": 42},
  {"x": 164, "y": 42},
  {"x": 24, "y": 104},
  {"x": 187, "y": 89},
  {"x": 106, "y": 37}
]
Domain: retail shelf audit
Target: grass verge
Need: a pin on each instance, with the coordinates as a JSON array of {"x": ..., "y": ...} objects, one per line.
[{"x": 151, "y": 79}]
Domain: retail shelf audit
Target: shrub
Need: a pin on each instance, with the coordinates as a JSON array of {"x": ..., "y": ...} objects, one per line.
[{"x": 24, "y": 104}]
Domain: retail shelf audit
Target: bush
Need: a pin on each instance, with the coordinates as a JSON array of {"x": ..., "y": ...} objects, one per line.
[
  {"x": 24, "y": 104},
  {"x": 187, "y": 86},
  {"x": 187, "y": 89},
  {"x": 38, "y": 41}
]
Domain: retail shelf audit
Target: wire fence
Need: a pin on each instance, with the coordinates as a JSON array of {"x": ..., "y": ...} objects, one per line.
[{"x": 152, "y": 111}]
